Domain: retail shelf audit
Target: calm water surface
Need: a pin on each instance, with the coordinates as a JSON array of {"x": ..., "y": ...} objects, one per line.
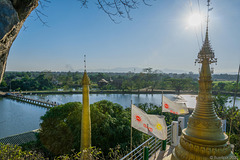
[
  {"x": 123, "y": 99},
  {"x": 18, "y": 117}
]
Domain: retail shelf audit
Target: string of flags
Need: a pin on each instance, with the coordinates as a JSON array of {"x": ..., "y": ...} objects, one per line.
[
  {"x": 153, "y": 125},
  {"x": 173, "y": 107}
]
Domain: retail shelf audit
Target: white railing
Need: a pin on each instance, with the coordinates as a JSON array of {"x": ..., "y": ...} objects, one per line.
[
  {"x": 153, "y": 144},
  {"x": 169, "y": 134}
]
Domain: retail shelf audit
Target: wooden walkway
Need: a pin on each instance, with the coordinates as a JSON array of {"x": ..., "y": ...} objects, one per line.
[{"x": 32, "y": 101}]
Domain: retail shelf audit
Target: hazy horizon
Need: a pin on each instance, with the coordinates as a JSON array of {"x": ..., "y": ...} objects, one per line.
[{"x": 121, "y": 70}]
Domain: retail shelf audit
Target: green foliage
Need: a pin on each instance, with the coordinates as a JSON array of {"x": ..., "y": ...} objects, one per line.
[
  {"x": 220, "y": 105},
  {"x": 31, "y": 81},
  {"x": 61, "y": 127},
  {"x": 15, "y": 152},
  {"x": 228, "y": 86},
  {"x": 38, "y": 147},
  {"x": 232, "y": 116},
  {"x": 3, "y": 84},
  {"x": 92, "y": 153},
  {"x": 117, "y": 81},
  {"x": 179, "y": 84}
]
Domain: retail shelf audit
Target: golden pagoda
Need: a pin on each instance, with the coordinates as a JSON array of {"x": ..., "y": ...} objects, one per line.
[
  {"x": 86, "y": 120},
  {"x": 203, "y": 138}
]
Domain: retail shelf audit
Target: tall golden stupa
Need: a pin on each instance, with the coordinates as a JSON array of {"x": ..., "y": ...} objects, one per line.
[
  {"x": 86, "y": 120},
  {"x": 203, "y": 138}
]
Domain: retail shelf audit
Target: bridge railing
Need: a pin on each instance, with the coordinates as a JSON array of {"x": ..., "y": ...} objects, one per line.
[
  {"x": 153, "y": 144},
  {"x": 32, "y": 101}
]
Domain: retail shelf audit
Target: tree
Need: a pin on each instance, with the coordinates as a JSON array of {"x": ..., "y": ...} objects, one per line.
[
  {"x": 3, "y": 85},
  {"x": 61, "y": 127},
  {"x": 232, "y": 116},
  {"x": 58, "y": 128},
  {"x": 179, "y": 84},
  {"x": 220, "y": 105}
]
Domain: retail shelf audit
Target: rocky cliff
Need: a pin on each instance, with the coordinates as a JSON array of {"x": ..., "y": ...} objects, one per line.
[{"x": 13, "y": 14}]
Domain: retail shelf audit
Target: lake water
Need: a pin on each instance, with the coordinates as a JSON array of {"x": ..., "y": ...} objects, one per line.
[
  {"x": 123, "y": 99},
  {"x": 18, "y": 117}
]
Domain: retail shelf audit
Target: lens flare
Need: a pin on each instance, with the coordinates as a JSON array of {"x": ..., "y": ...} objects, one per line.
[{"x": 195, "y": 20}]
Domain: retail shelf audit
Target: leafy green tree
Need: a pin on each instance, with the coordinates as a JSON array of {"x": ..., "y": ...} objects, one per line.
[
  {"x": 232, "y": 116},
  {"x": 230, "y": 87},
  {"x": 44, "y": 82},
  {"x": 3, "y": 85},
  {"x": 220, "y": 105},
  {"x": 179, "y": 84},
  {"x": 61, "y": 127},
  {"x": 221, "y": 85}
]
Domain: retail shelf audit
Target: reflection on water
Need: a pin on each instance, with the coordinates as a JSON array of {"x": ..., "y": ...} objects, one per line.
[{"x": 18, "y": 117}]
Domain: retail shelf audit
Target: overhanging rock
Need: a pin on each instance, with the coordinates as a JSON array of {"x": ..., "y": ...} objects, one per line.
[{"x": 13, "y": 14}]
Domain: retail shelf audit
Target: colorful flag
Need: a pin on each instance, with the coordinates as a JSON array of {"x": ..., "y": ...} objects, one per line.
[
  {"x": 153, "y": 125},
  {"x": 173, "y": 107}
]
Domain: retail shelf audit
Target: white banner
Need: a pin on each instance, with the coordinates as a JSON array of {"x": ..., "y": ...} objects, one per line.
[
  {"x": 173, "y": 107},
  {"x": 153, "y": 125}
]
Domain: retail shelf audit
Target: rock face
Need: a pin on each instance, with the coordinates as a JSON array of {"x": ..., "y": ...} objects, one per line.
[{"x": 13, "y": 14}]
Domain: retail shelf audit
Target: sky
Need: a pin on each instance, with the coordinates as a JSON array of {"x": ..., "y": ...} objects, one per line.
[{"x": 158, "y": 36}]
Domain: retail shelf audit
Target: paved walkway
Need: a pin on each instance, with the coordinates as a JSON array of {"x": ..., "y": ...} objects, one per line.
[{"x": 165, "y": 155}]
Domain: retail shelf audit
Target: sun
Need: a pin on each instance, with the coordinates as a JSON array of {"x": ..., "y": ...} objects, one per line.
[{"x": 195, "y": 20}]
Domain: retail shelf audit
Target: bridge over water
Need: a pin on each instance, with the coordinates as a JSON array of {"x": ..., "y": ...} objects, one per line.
[{"x": 20, "y": 97}]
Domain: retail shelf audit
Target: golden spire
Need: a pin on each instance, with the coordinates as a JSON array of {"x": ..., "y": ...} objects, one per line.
[
  {"x": 203, "y": 138},
  {"x": 86, "y": 79},
  {"x": 86, "y": 121}
]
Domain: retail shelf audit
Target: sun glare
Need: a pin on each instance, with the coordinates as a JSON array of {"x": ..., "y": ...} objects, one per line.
[{"x": 195, "y": 20}]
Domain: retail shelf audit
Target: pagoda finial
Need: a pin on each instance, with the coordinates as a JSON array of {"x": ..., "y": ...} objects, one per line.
[
  {"x": 85, "y": 65},
  {"x": 85, "y": 80},
  {"x": 206, "y": 51},
  {"x": 207, "y": 18}
]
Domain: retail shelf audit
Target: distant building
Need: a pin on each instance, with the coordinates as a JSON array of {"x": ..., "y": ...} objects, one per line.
[{"x": 102, "y": 83}]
